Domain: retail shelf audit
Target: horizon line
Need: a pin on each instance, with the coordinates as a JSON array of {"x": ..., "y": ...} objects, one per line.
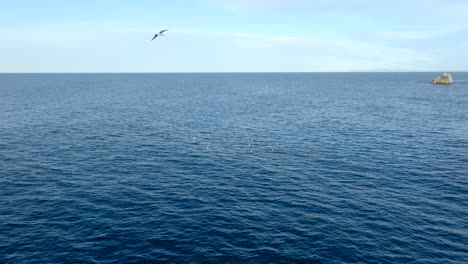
[{"x": 228, "y": 72}]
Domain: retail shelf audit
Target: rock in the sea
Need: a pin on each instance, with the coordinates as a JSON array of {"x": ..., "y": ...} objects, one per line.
[{"x": 444, "y": 79}]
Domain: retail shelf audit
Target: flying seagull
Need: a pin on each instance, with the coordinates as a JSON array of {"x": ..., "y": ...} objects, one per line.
[{"x": 161, "y": 33}]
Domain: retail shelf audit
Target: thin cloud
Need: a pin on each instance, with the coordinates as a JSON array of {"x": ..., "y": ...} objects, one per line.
[
  {"x": 415, "y": 35},
  {"x": 430, "y": 8},
  {"x": 241, "y": 5},
  {"x": 341, "y": 52},
  {"x": 240, "y": 35}
]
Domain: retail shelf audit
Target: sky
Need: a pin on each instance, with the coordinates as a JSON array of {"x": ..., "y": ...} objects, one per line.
[{"x": 233, "y": 35}]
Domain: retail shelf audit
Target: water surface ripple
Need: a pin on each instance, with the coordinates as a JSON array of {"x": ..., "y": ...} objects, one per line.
[{"x": 233, "y": 168}]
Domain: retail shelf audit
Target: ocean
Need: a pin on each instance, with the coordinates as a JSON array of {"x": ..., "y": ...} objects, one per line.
[{"x": 233, "y": 168}]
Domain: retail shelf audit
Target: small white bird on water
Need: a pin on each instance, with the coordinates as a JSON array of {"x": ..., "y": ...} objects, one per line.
[{"x": 161, "y": 33}]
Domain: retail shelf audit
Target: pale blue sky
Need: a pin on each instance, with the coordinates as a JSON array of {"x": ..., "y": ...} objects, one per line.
[{"x": 233, "y": 35}]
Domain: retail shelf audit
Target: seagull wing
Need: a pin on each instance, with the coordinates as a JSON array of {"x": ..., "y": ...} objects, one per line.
[
  {"x": 155, "y": 36},
  {"x": 162, "y": 31}
]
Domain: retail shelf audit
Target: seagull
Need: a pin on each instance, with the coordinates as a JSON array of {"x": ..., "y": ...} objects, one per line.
[{"x": 161, "y": 33}]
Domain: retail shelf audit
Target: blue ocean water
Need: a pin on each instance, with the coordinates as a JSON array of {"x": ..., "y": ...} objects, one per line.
[{"x": 233, "y": 168}]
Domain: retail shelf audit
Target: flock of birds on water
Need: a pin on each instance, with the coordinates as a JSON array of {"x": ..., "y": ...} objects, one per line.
[{"x": 160, "y": 34}]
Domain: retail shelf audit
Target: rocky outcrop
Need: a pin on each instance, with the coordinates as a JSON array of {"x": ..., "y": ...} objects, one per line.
[{"x": 444, "y": 79}]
